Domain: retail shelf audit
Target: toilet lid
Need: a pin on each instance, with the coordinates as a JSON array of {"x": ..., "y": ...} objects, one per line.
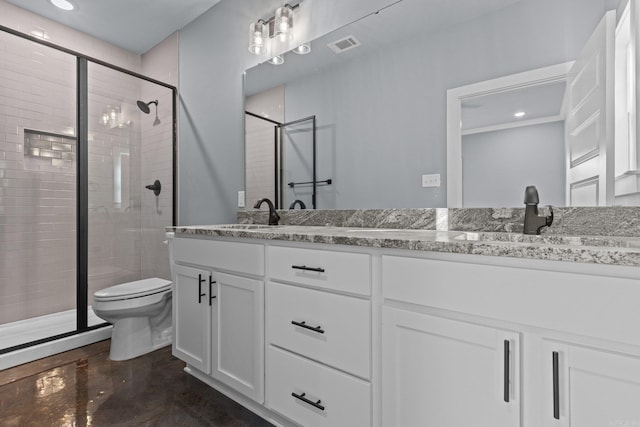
[{"x": 135, "y": 289}]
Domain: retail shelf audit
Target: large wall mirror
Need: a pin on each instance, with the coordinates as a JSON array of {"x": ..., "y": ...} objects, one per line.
[{"x": 436, "y": 90}]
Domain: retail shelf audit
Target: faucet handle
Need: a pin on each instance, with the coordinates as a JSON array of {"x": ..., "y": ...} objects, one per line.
[
  {"x": 549, "y": 218},
  {"x": 531, "y": 195}
]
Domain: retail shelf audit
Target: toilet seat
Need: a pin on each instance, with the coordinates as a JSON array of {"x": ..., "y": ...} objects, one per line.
[{"x": 131, "y": 290}]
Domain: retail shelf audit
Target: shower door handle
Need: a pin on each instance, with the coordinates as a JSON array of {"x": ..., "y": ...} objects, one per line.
[{"x": 155, "y": 187}]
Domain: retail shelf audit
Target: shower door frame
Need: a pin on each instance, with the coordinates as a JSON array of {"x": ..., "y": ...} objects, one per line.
[{"x": 82, "y": 177}]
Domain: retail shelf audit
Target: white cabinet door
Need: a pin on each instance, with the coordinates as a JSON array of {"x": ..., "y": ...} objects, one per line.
[
  {"x": 443, "y": 373},
  {"x": 237, "y": 340},
  {"x": 192, "y": 316},
  {"x": 589, "y": 388}
]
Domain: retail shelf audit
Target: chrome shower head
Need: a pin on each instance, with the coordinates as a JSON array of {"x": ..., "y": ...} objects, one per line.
[{"x": 144, "y": 106}]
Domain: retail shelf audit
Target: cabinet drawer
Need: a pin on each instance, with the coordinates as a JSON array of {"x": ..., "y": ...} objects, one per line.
[
  {"x": 242, "y": 257},
  {"x": 342, "y": 271},
  {"x": 344, "y": 337},
  {"x": 589, "y": 305},
  {"x": 344, "y": 400}
]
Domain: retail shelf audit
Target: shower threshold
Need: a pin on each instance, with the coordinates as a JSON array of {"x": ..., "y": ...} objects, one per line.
[{"x": 42, "y": 327}]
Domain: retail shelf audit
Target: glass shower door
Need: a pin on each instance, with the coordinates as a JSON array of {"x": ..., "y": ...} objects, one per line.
[
  {"x": 130, "y": 146},
  {"x": 37, "y": 191}
]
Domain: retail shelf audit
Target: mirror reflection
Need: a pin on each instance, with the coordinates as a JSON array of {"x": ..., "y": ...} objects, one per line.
[{"x": 381, "y": 106}]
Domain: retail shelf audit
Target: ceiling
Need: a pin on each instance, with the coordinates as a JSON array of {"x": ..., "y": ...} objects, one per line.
[
  {"x": 135, "y": 25},
  {"x": 537, "y": 101}
]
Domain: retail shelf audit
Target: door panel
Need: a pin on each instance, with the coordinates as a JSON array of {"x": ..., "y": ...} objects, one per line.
[{"x": 589, "y": 123}]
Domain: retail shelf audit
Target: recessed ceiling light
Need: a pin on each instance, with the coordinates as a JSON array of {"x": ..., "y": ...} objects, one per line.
[
  {"x": 519, "y": 114},
  {"x": 63, "y": 4},
  {"x": 303, "y": 49},
  {"x": 276, "y": 60}
]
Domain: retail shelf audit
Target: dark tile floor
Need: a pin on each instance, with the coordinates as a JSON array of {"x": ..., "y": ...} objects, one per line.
[{"x": 84, "y": 388}]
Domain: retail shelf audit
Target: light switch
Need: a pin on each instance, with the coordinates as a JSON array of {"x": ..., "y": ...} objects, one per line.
[{"x": 241, "y": 202}]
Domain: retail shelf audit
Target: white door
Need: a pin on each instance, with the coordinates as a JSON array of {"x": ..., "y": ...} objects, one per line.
[
  {"x": 191, "y": 316},
  {"x": 592, "y": 388},
  {"x": 443, "y": 373},
  {"x": 237, "y": 353},
  {"x": 589, "y": 126}
]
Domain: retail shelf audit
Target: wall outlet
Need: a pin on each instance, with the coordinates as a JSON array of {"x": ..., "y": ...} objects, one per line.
[
  {"x": 432, "y": 180},
  {"x": 241, "y": 202}
]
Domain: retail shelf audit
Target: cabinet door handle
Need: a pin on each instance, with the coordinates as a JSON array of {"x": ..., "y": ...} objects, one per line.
[
  {"x": 506, "y": 370},
  {"x": 303, "y": 324},
  {"x": 211, "y": 282},
  {"x": 200, "y": 282},
  {"x": 307, "y": 401},
  {"x": 305, "y": 268},
  {"x": 556, "y": 386}
]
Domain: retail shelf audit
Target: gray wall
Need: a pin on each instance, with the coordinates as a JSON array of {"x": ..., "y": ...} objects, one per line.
[
  {"x": 382, "y": 116},
  {"x": 530, "y": 155},
  {"x": 213, "y": 56}
]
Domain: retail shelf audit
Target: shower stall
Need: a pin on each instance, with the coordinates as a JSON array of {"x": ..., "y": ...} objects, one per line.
[{"x": 87, "y": 171}]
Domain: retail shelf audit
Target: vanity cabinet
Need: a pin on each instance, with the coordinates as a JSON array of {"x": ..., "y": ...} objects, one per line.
[
  {"x": 439, "y": 372},
  {"x": 318, "y": 329},
  {"x": 328, "y": 335},
  {"x": 589, "y": 387},
  {"x": 443, "y": 361},
  {"x": 192, "y": 317},
  {"x": 218, "y": 317}
]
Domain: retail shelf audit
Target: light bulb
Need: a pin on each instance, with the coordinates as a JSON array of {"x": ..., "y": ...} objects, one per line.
[{"x": 257, "y": 33}]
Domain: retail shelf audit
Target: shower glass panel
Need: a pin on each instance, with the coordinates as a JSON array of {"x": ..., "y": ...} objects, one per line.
[
  {"x": 128, "y": 149},
  {"x": 37, "y": 191},
  {"x": 298, "y": 163}
]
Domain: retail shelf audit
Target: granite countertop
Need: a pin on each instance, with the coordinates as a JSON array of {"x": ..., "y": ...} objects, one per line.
[{"x": 610, "y": 250}]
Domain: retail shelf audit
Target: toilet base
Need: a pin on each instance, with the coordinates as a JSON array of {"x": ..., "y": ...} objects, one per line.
[{"x": 131, "y": 337}]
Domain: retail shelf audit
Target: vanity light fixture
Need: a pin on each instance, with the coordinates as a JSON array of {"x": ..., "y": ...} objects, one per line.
[
  {"x": 64, "y": 4},
  {"x": 519, "y": 114},
  {"x": 303, "y": 49},
  {"x": 279, "y": 27},
  {"x": 277, "y": 60},
  {"x": 283, "y": 27},
  {"x": 258, "y": 36}
]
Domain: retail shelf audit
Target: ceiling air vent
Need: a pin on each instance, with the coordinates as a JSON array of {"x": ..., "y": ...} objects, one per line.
[{"x": 344, "y": 44}]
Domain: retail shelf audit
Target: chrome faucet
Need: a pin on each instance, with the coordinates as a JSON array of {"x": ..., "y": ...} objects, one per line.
[
  {"x": 273, "y": 215},
  {"x": 533, "y": 222},
  {"x": 298, "y": 202}
]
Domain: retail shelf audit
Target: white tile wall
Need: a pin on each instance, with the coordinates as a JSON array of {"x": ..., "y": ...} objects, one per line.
[
  {"x": 161, "y": 63},
  {"x": 37, "y": 202}
]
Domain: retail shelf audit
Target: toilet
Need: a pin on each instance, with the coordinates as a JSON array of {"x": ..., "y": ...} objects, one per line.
[{"x": 140, "y": 312}]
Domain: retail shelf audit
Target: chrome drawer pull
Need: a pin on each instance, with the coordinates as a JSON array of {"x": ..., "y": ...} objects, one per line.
[
  {"x": 304, "y": 267},
  {"x": 307, "y": 401},
  {"x": 303, "y": 324}
]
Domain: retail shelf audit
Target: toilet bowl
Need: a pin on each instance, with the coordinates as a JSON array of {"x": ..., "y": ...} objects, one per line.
[{"x": 140, "y": 312}]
